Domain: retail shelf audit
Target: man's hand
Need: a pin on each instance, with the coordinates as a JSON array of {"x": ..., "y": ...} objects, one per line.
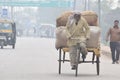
[
  {"x": 87, "y": 38},
  {"x": 107, "y": 39},
  {"x": 69, "y": 37}
]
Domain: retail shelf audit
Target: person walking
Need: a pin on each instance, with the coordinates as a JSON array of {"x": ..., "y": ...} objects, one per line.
[{"x": 113, "y": 35}]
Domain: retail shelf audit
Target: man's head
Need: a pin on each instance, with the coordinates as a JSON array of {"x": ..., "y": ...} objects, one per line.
[
  {"x": 116, "y": 22},
  {"x": 77, "y": 16}
]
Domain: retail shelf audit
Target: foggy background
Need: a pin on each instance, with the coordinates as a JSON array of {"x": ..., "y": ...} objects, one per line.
[{"x": 29, "y": 17}]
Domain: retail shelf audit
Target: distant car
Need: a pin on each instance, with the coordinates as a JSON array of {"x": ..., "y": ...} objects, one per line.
[{"x": 47, "y": 30}]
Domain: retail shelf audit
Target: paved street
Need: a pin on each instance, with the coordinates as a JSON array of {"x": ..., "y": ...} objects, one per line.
[{"x": 36, "y": 59}]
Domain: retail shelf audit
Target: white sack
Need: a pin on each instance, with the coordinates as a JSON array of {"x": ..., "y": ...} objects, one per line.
[
  {"x": 61, "y": 39},
  {"x": 93, "y": 42}
]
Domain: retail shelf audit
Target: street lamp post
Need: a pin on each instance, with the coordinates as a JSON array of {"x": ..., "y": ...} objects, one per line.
[
  {"x": 74, "y": 7},
  {"x": 99, "y": 8},
  {"x": 86, "y": 5},
  {"x": 12, "y": 12}
]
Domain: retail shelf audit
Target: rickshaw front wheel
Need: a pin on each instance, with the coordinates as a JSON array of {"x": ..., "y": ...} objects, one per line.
[
  {"x": 2, "y": 44},
  {"x": 13, "y": 46},
  {"x": 1, "y": 47}
]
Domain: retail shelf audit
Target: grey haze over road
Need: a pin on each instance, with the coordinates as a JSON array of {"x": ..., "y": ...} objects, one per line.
[{"x": 36, "y": 59}]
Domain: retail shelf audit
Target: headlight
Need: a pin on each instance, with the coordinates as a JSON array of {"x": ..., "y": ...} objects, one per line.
[{"x": 9, "y": 38}]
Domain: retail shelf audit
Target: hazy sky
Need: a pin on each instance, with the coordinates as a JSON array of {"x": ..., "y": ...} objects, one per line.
[{"x": 114, "y": 4}]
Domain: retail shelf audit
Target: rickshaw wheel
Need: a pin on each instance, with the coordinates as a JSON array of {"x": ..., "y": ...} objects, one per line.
[
  {"x": 1, "y": 47},
  {"x": 13, "y": 46},
  {"x": 2, "y": 43},
  {"x": 76, "y": 72},
  {"x": 98, "y": 65}
]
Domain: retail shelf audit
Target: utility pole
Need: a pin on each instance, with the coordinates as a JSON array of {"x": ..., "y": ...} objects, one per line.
[
  {"x": 86, "y": 5},
  {"x": 74, "y": 7},
  {"x": 12, "y": 12},
  {"x": 99, "y": 8}
]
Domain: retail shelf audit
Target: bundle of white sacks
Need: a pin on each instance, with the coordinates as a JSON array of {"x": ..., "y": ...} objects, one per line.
[{"x": 93, "y": 42}]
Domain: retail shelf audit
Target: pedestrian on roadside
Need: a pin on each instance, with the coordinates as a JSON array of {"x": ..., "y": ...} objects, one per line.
[{"x": 113, "y": 35}]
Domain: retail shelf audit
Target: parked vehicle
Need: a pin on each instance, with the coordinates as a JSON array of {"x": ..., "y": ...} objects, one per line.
[{"x": 47, "y": 30}]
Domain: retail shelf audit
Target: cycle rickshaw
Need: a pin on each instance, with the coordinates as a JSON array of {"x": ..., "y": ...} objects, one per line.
[{"x": 89, "y": 16}]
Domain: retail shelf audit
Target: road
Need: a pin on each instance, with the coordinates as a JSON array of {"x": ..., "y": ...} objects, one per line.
[{"x": 36, "y": 59}]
